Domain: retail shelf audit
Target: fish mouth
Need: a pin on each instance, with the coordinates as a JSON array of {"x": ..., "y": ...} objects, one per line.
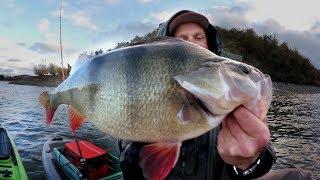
[{"x": 202, "y": 106}]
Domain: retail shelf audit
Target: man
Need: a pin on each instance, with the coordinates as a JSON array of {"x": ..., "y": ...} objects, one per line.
[{"x": 238, "y": 149}]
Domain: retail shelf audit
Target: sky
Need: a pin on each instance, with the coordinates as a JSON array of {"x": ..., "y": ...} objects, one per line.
[{"x": 29, "y": 30}]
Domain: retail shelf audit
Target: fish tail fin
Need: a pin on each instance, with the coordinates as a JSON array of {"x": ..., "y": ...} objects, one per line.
[
  {"x": 158, "y": 159},
  {"x": 76, "y": 118},
  {"x": 44, "y": 100}
]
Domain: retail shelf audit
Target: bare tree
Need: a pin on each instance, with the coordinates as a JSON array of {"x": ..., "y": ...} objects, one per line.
[{"x": 41, "y": 70}]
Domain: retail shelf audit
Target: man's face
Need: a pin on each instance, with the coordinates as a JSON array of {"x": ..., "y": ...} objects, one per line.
[{"x": 192, "y": 32}]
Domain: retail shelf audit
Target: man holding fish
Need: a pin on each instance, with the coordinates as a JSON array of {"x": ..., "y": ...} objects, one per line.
[
  {"x": 239, "y": 147},
  {"x": 168, "y": 97}
]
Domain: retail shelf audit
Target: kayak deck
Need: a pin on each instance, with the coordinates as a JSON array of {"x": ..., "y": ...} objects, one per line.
[
  {"x": 58, "y": 163},
  {"x": 11, "y": 166}
]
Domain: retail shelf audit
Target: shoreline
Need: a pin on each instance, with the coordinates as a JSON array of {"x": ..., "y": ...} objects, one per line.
[
  {"x": 295, "y": 88},
  {"x": 54, "y": 81},
  {"x": 50, "y": 81}
]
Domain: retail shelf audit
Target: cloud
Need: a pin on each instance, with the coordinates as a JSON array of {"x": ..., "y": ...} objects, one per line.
[
  {"x": 294, "y": 15},
  {"x": 145, "y": 1},
  {"x": 81, "y": 19},
  {"x": 5, "y": 70},
  {"x": 47, "y": 47},
  {"x": 307, "y": 41},
  {"x": 50, "y": 1},
  {"x": 163, "y": 15},
  {"x": 268, "y": 26},
  {"x": 228, "y": 17},
  {"x": 43, "y": 25},
  {"x": 12, "y": 5},
  {"x": 5, "y": 24},
  {"x": 44, "y": 48},
  {"x": 14, "y": 60},
  {"x": 315, "y": 28},
  {"x": 22, "y": 59},
  {"x": 126, "y": 31},
  {"x": 78, "y": 18},
  {"x": 112, "y": 2},
  {"x": 21, "y": 44}
]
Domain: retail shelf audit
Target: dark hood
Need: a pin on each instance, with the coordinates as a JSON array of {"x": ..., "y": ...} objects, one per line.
[{"x": 214, "y": 39}]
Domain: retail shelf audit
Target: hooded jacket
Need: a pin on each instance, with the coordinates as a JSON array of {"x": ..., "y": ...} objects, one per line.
[
  {"x": 199, "y": 157},
  {"x": 214, "y": 39}
]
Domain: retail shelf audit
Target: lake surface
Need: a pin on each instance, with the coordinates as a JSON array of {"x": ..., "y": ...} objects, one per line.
[{"x": 293, "y": 120}]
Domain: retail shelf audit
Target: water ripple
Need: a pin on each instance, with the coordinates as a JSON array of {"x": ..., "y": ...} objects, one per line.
[{"x": 293, "y": 122}]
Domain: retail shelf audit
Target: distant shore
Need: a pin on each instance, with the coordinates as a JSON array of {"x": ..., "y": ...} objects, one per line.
[
  {"x": 295, "y": 88},
  {"x": 46, "y": 80},
  {"x": 53, "y": 81}
]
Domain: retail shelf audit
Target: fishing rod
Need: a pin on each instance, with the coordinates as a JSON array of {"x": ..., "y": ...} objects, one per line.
[
  {"x": 63, "y": 77},
  {"x": 82, "y": 160}
]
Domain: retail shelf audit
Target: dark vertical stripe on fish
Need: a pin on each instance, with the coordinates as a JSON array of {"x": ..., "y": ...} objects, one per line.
[
  {"x": 132, "y": 68},
  {"x": 97, "y": 66},
  {"x": 71, "y": 95}
]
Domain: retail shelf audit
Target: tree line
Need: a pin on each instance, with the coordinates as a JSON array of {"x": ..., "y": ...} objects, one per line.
[
  {"x": 54, "y": 70},
  {"x": 282, "y": 62},
  {"x": 266, "y": 52},
  {"x": 51, "y": 69}
]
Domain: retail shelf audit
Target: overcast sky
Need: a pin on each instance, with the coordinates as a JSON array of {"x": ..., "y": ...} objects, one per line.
[{"x": 29, "y": 30}]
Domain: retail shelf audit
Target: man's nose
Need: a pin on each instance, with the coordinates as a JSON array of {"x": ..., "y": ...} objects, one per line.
[{"x": 191, "y": 40}]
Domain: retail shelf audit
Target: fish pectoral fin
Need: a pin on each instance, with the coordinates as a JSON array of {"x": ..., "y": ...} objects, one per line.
[
  {"x": 76, "y": 118},
  {"x": 157, "y": 159},
  {"x": 44, "y": 100},
  {"x": 187, "y": 114}
]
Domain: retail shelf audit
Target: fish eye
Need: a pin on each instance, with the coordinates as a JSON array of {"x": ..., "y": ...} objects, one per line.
[{"x": 245, "y": 69}]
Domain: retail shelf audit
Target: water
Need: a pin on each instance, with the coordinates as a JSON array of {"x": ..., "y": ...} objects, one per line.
[
  {"x": 293, "y": 121},
  {"x": 23, "y": 117},
  {"x": 294, "y": 124}
]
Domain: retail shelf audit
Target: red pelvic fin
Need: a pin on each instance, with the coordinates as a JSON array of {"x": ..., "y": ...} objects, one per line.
[
  {"x": 158, "y": 159},
  {"x": 44, "y": 100},
  {"x": 76, "y": 118}
]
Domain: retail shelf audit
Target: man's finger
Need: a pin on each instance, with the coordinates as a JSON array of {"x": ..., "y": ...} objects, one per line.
[
  {"x": 259, "y": 108},
  {"x": 227, "y": 144},
  {"x": 249, "y": 122},
  {"x": 247, "y": 146},
  {"x": 235, "y": 129}
]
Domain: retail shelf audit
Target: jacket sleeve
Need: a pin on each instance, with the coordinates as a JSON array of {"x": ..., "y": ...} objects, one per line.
[
  {"x": 129, "y": 161},
  {"x": 267, "y": 159}
]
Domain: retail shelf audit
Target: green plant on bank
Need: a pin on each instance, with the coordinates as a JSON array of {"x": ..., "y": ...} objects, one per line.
[
  {"x": 51, "y": 69},
  {"x": 55, "y": 70},
  {"x": 40, "y": 69}
]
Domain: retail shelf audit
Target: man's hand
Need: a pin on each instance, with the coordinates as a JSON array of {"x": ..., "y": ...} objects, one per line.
[{"x": 242, "y": 137}]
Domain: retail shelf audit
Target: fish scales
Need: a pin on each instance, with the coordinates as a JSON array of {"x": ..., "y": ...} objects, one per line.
[
  {"x": 163, "y": 92},
  {"x": 131, "y": 84},
  {"x": 131, "y": 93}
]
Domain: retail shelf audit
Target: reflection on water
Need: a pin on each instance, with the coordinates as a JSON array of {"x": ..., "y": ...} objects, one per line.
[
  {"x": 294, "y": 124},
  {"x": 293, "y": 121}
]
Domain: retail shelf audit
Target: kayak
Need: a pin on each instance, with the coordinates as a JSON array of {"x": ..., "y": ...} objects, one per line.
[
  {"x": 62, "y": 160},
  {"x": 11, "y": 166}
]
